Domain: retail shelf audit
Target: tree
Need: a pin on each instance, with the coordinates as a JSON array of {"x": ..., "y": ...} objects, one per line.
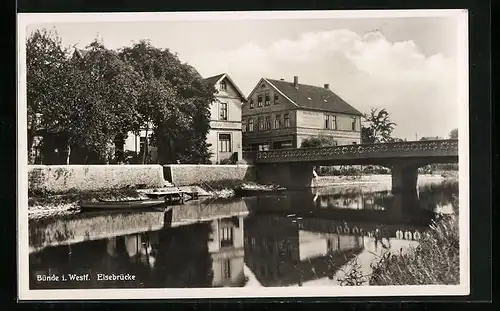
[
  {"x": 453, "y": 134},
  {"x": 319, "y": 141},
  {"x": 378, "y": 127},
  {"x": 104, "y": 103},
  {"x": 174, "y": 101},
  {"x": 80, "y": 103},
  {"x": 47, "y": 75},
  {"x": 86, "y": 102}
]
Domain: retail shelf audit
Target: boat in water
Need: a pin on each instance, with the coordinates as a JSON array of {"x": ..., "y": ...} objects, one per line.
[
  {"x": 171, "y": 195},
  {"x": 103, "y": 205},
  {"x": 254, "y": 190}
]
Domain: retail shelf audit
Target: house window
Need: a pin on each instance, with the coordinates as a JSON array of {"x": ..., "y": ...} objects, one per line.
[
  {"x": 251, "y": 104},
  {"x": 330, "y": 122},
  {"x": 226, "y": 236},
  {"x": 244, "y": 125},
  {"x": 353, "y": 124},
  {"x": 226, "y": 269},
  {"x": 223, "y": 111},
  {"x": 250, "y": 125},
  {"x": 222, "y": 86},
  {"x": 260, "y": 124},
  {"x": 263, "y": 147},
  {"x": 286, "y": 120},
  {"x": 267, "y": 123},
  {"x": 277, "y": 121},
  {"x": 259, "y": 101},
  {"x": 268, "y": 99},
  {"x": 224, "y": 142},
  {"x": 276, "y": 99}
]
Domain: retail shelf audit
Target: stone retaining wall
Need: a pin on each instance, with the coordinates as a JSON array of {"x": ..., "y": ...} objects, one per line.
[
  {"x": 187, "y": 174},
  {"x": 62, "y": 178}
]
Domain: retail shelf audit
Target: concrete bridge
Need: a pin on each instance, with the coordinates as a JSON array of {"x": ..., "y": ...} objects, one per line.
[{"x": 293, "y": 168}]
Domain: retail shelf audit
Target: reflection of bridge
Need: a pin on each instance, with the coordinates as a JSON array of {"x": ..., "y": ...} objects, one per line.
[
  {"x": 293, "y": 167},
  {"x": 377, "y": 208}
]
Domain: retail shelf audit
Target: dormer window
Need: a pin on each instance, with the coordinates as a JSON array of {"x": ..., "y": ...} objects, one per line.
[{"x": 222, "y": 86}]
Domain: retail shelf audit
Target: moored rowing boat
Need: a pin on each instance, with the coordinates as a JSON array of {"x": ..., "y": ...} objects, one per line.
[
  {"x": 246, "y": 191},
  {"x": 122, "y": 205}
]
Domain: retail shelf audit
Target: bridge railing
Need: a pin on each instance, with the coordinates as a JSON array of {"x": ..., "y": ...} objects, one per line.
[{"x": 445, "y": 146}]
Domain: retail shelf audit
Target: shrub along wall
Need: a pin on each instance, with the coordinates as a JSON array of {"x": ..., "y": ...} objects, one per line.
[
  {"x": 187, "y": 174},
  {"x": 64, "y": 178}
]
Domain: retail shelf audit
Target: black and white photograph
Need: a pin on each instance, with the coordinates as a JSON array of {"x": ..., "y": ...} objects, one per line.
[{"x": 243, "y": 154}]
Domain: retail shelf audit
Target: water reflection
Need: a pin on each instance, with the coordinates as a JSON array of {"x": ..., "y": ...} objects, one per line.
[{"x": 284, "y": 240}]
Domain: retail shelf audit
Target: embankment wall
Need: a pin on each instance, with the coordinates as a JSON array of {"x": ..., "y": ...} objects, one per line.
[
  {"x": 64, "y": 178},
  {"x": 187, "y": 174},
  {"x": 324, "y": 181}
]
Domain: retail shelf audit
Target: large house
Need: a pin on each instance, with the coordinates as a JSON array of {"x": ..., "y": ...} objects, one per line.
[
  {"x": 280, "y": 114},
  {"x": 225, "y": 121}
]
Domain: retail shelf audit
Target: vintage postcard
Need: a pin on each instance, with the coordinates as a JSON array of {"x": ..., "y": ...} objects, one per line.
[{"x": 243, "y": 154}]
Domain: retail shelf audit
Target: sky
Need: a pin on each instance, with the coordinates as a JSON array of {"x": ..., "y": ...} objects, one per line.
[{"x": 409, "y": 66}]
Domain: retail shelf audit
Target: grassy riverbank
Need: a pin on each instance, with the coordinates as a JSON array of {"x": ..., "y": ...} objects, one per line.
[
  {"x": 435, "y": 261},
  {"x": 46, "y": 204}
]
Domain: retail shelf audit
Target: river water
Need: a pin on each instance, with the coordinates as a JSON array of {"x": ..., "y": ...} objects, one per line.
[{"x": 300, "y": 238}]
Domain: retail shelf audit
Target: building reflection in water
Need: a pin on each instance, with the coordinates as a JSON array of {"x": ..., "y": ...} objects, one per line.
[
  {"x": 226, "y": 249},
  {"x": 285, "y": 240},
  {"x": 281, "y": 254},
  {"x": 309, "y": 235},
  {"x": 203, "y": 253}
]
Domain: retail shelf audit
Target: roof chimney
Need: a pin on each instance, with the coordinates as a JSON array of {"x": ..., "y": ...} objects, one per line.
[
  {"x": 295, "y": 81},
  {"x": 327, "y": 86}
]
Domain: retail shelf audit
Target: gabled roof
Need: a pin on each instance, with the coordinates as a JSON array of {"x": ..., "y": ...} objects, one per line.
[
  {"x": 216, "y": 79},
  {"x": 313, "y": 97}
]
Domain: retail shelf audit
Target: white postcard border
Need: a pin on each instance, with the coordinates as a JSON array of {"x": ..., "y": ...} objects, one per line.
[{"x": 25, "y": 293}]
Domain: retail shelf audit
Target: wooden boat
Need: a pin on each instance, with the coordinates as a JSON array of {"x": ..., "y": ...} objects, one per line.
[
  {"x": 174, "y": 195},
  {"x": 122, "y": 205},
  {"x": 254, "y": 190}
]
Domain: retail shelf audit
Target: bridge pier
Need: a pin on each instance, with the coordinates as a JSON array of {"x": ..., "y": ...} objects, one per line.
[
  {"x": 404, "y": 177},
  {"x": 289, "y": 175}
]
